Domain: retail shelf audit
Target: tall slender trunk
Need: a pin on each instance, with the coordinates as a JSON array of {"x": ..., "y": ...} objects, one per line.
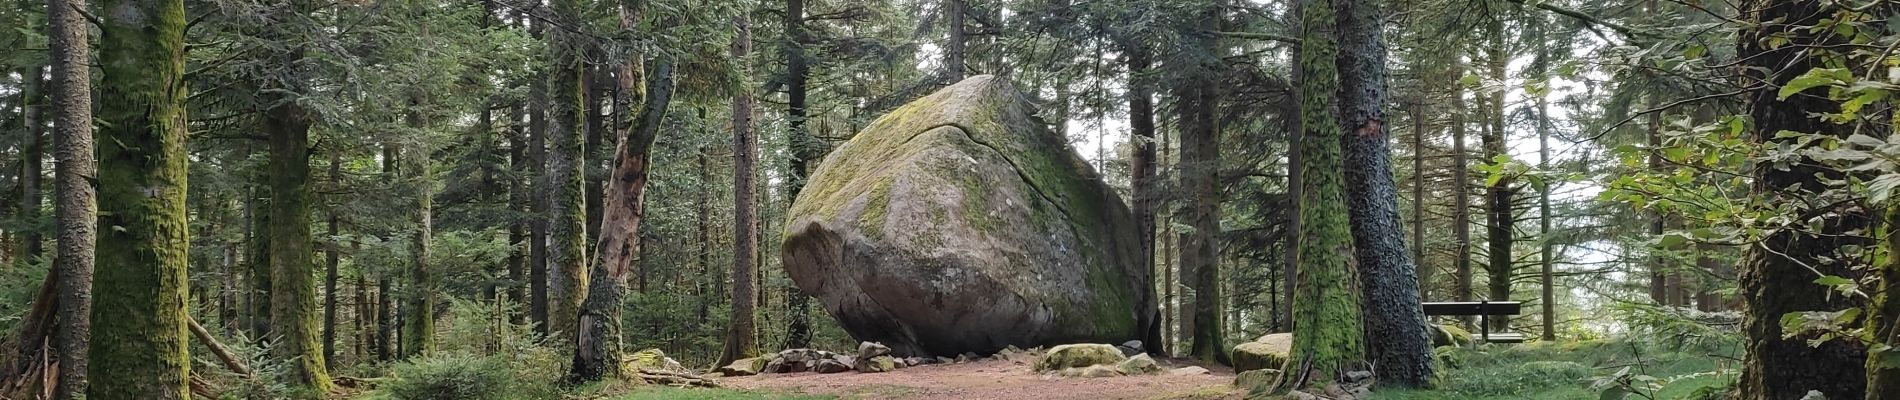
[
  {"x": 803, "y": 148},
  {"x": 1418, "y": 200},
  {"x": 418, "y": 320},
  {"x": 1461, "y": 194},
  {"x": 138, "y": 311},
  {"x": 538, "y": 235},
  {"x": 1387, "y": 277},
  {"x": 1200, "y": 153},
  {"x": 1290, "y": 111},
  {"x": 75, "y": 207},
  {"x": 1658, "y": 278},
  {"x": 31, "y": 164},
  {"x": 1141, "y": 123},
  {"x": 518, "y": 200},
  {"x": 566, "y": 219},
  {"x": 1500, "y": 219},
  {"x": 330, "y": 259},
  {"x": 741, "y": 339},
  {"x": 598, "y": 337},
  {"x": 1546, "y": 271},
  {"x": 260, "y": 266},
  {"x": 1171, "y": 307},
  {"x": 1776, "y": 278}
]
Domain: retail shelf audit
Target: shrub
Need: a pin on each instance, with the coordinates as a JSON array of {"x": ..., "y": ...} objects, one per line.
[{"x": 450, "y": 376}]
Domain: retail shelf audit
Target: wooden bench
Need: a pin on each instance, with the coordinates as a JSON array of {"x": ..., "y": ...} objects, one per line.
[{"x": 1482, "y": 309}]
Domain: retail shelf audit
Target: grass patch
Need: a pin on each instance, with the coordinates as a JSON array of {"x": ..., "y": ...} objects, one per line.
[{"x": 1579, "y": 370}]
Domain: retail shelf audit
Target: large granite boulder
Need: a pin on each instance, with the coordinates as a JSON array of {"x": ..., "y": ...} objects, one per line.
[{"x": 961, "y": 223}]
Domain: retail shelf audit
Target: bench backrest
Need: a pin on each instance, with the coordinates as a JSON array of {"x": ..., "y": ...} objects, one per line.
[{"x": 1474, "y": 308}]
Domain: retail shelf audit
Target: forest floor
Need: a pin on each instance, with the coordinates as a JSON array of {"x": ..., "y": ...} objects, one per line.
[{"x": 995, "y": 379}]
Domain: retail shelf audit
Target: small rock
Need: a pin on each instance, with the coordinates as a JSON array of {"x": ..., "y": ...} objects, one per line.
[
  {"x": 831, "y": 367},
  {"x": 777, "y": 366},
  {"x": 964, "y": 358},
  {"x": 872, "y": 349},
  {"x": 945, "y": 360},
  {"x": 1130, "y": 348},
  {"x": 876, "y": 364},
  {"x": 1267, "y": 352},
  {"x": 1140, "y": 364},
  {"x": 846, "y": 360},
  {"x": 914, "y": 361},
  {"x": 1189, "y": 370},
  {"x": 1255, "y": 379},
  {"x": 1358, "y": 376},
  {"x": 743, "y": 367},
  {"x": 1092, "y": 371}
]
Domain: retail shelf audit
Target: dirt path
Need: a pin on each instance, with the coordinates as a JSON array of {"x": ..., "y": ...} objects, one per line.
[{"x": 997, "y": 380}]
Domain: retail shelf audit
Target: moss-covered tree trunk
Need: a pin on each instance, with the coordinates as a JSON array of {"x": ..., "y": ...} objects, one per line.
[
  {"x": 293, "y": 300},
  {"x": 76, "y": 204},
  {"x": 598, "y": 335},
  {"x": 138, "y": 315},
  {"x": 1327, "y": 341},
  {"x": 566, "y": 217},
  {"x": 742, "y": 334},
  {"x": 1775, "y": 275},
  {"x": 418, "y": 325},
  {"x": 1389, "y": 280}
]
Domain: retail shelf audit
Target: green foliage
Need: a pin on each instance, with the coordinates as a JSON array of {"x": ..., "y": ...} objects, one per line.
[
  {"x": 1580, "y": 370},
  {"x": 449, "y": 376}
]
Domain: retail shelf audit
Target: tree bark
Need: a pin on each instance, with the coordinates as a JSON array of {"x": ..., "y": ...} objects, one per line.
[
  {"x": 330, "y": 260},
  {"x": 1200, "y": 156},
  {"x": 76, "y": 205},
  {"x": 1327, "y": 340},
  {"x": 418, "y": 322},
  {"x": 956, "y": 52},
  {"x": 31, "y": 156},
  {"x": 138, "y": 314},
  {"x": 741, "y": 332},
  {"x": 803, "y": 148},
  {"x": 1141, "y": 123},
  {"x": 599, "y": 334},
  {"x": 293, "y": 300},
  {"x": 566, "y": 218},
  {"x": 1500, "y": 218},
  {"x": 1461, "y": 195},
  {"x": 1775, "y": 278},
  {"x": 538, "y": 236},
  {"x": 1387, "y": 277}
]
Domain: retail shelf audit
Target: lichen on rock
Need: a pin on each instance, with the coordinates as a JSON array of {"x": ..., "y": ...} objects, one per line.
[{"x": 961, "y": 223}]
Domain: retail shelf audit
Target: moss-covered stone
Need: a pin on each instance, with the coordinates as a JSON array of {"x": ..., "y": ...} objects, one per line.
[
  {"x": 1267, "y": 352},
  {"x": 1079, "y": 355},
  {"x": 961, "y": 223},
  {"x": 1140, "y": 364},
  {"x": 1449, "y": 335}
]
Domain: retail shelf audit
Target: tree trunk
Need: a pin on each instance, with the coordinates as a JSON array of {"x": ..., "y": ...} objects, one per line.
[
  {"x": 518, "y": 202},
  {"x": 599, "y": 332},
  {"x": 1546, "y": 271},
  {"x": 418, "y": 322},
  {"x": 1775, "y": 278},
  {"x": 139, "y": 311},
  {"x": 76, "y": 203},
  {"x": 1387, "y": 276},
  {"x": 1141, "y": 173},
  {"x": 293, "y": 300},
  {"x": 956, "y": 52},
  {"x": 260, "y": 253},
  {"x": 31, "y": 156},
  {"x": 1461, "y": 195},
  {"x": 1326, "y": 327},
  {"x": 1418, "y": 200},
  {"x": 1500, "y": 219},
  {"x": 1200, "y": 156},
  {"x": 330, "y": 259},
  {"x": 566, "y": 218},
  {"x": 803, "y": 148},
  {"x": 538, "y": 237},
  {"x": 741, "y": 339}
]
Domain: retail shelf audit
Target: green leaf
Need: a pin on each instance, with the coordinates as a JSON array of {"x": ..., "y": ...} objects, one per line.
[
  {"x": 1813, "y": 78},
  {"x": 1832, "y": 280}
]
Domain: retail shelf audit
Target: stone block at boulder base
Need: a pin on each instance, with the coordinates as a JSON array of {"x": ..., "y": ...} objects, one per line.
[
  {"x": 961, "y": 223},
  {"x": 1267, "y": 352},
  {"x": 1079, "y": 355}
]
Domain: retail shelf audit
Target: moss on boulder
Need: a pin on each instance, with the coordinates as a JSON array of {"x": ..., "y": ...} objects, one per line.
[
  {"x": 1267, "y": 352},
  {"x": 1079, "y": 355},
  {"x": 960, "y": 223},
  {"x": 1449, "y": 335}
]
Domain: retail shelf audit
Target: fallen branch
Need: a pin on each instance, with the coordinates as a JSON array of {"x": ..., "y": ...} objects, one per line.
[
  {"x": 679, "y": 379},
  {"x": 224, "y": 354}
]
